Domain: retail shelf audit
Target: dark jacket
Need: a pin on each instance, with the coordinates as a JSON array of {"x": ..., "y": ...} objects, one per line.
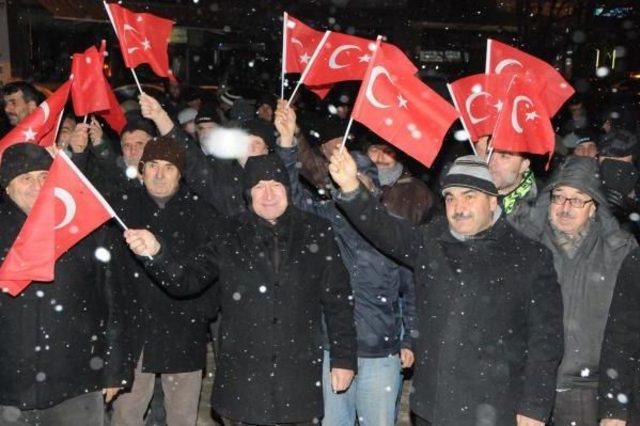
[
  {"x": 68, "y": 337},
  {"x": 377, "y": 280},
  {"x": 489, "y": 315},
  {"x": 219, "y": 182},
  {"x": 587, "y": 279},
  {"x": 275, "y": 283},
  {"x": 619, "y": 366},
  {"x": 171, "y": 330}
]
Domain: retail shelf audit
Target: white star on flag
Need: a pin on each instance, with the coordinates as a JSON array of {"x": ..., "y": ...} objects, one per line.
[
  {"x": 364, "y": 58},
  {"x": 498, "y": 105},
  {"x": 29, "y": 134},
  {"x": 305, "y": 58},
  {"x": 146, "y": 45},
  {"x": 530, "y": 116},
  {"x": 402, "y": 102}
]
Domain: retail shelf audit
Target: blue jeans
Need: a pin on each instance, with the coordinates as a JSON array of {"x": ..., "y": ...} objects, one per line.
[{"x": 372, "y": 395}]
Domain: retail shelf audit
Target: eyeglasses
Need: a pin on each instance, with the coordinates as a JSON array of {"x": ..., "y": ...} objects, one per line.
[{"x": 573, "y": 202}]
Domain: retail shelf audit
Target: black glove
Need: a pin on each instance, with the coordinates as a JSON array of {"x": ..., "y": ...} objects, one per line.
[{"x": 620, "y": 203}]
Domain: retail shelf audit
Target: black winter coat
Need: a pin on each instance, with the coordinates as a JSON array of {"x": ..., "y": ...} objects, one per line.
[
  {"x": 489, "y": 317},
  {"x": 171, "y": 330},
  {"x": 67, "y": 337},
  {"x": 275, "y": 284},
  {"x": 619, "y": 365}
]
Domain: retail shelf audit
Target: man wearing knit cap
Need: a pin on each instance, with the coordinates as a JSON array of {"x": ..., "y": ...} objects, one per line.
[
  {"x": 278, "y": 272},
  {"x": 169, "y": 334},
  {"x": 63, "y": 342},
  {"x": 572, "y": 219},
  {"x": 488, "y": 304}
]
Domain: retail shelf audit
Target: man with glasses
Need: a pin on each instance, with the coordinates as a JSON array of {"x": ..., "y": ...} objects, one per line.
[{"x": 571, "y": 217}]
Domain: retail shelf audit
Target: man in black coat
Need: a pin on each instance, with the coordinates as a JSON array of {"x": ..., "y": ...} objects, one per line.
[
  {"x": 170, "y": 333},
  {"x": 64, "y": 342},
  {"x": 619, "y": 378},
  {"x": 279, "y": 270},
  {"x": 488, "y": 304}
]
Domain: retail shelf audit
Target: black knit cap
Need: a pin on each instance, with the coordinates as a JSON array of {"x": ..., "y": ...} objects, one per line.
[
  {"x": 264, "y": 167},
  {"x": 164, "y": 148},
  {"x": 617, "y": 143},
  {"x": 206, "y": 114},
  {"x": 261, "y": 128},
  {"x": 22, "y": 158},
  {"x": 471, "y": 172}
]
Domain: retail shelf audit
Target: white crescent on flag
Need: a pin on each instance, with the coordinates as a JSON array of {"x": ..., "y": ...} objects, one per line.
[
  {"x": 375, "y": 72},
  {"x": 46, "y": 111},
  {"x": 514, "y": 111},
  {"x": 296, "y": 41},
  {"x": 505, "y": 63},
  {"x": 69, "y": 206},
  {"x": 332, "y": 59},
  {"x": 469, "y": 102}
]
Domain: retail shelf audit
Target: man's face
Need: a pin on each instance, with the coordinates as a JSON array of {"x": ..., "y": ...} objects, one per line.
[
  {"x": 577, "y": 110},
  {"x": 174, "y": 91},
  {"x": 25, "y": 188},
  {"x": 161, "y": 178},
  {"x": 586, "y": 149},
  {"x": 566, "y": 217},
  {"x": 382, "y": 156},
  {"x": 190, "y": 128},
  {"x": 343, "y": 112},
  {"x": 469, "y": 211},
  {"x": 507, "y": 170},
  {"x": 257, "y": 146},
  {"x": 330, "y": 146},
  {"x": 203, "y": 130},
  {"x": 133, "y": 144},
  {"x": 265, "y": 112},
  {"x": 269, "y": 199},
  {"x": 16, "y": 108},
  {"x": 66, "y": 130}
]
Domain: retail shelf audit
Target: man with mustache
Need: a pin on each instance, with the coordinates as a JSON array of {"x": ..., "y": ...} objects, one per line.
[
  {"x": 488, "y": 304},
  {"x": 572, "y": 219}
]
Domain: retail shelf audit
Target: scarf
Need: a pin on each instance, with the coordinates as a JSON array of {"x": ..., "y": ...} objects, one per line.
[{"x": 510, "y": 200}]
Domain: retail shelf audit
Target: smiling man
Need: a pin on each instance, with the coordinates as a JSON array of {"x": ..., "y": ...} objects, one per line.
[
  {"x": 20, "y": 99},
  {"x": 489, "y": 317}
]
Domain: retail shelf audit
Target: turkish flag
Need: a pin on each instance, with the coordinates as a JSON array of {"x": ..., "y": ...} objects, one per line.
[
  {"x": 41, "y": 125},
  {"x": 143, "y": 37},
  {"x": 68, "y": 209},
  {"x": 479, "y": 99},
  {"x": 401, "y": 109},
  {"x": 345, "y": 57},
  {"x": 300, "y": 41},
  {"x": 550, "y": 85},
  {"x": 523, "y": 124},
  {"x": 114, "y": 115},
  {"x": 89, "y": 88}
]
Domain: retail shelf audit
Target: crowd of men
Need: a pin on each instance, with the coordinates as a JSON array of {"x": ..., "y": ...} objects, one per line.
[{"x": 510, "y": 295}]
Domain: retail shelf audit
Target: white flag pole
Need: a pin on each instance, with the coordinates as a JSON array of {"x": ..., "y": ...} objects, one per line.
[
  {"x": 95, "y": 192},
  {"x": 284, "y": 53},
  {"x": 57, "y": 129},
  {"x": 113, "y": 23},
  {"x": 455, "y": 103},
  {"x": 309, "y": 65},
  {"x": 346, "y": 135}
]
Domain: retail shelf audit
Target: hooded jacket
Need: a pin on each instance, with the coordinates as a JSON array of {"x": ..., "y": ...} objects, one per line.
[{"x": 588, "y": 278}]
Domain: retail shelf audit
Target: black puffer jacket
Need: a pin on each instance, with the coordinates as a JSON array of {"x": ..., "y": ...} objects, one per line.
[{"x": 67, "y": 337}]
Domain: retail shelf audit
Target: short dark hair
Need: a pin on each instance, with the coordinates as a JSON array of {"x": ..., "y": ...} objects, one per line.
[
  {"x": 29, "y": 92},
  {"x": 139, "y": 124}
]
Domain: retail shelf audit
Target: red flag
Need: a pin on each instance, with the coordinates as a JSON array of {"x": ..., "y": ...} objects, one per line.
[
  {"x": 89, "y": 89},
  {"x": 550, "y": 85},
  {"x": 300, "y": 41},
  {"x": 41, "y": 125},
  {"x": 523, "y": 124},
  {"x": 400, "y": 108},
  {"x": 479, "y": 99},
  {"x": 345, "y": 57},
  {"x": 78, "y": 209},
  {"x": 143, "y": 37},
  {"x": 32, "y": 255},
  {"x": 114, "y": 116}
]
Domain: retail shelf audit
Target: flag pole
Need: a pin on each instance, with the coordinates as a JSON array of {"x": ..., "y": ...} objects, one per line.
[
  {"x": 113, "y": 24},
  {"x": 55, "y": 136},
  {"x": 455, "y": 103},
  {"x": 308, "y": 67},
  {"x": 284, "y": 53},
  {"x": 346, "y": 135}
]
